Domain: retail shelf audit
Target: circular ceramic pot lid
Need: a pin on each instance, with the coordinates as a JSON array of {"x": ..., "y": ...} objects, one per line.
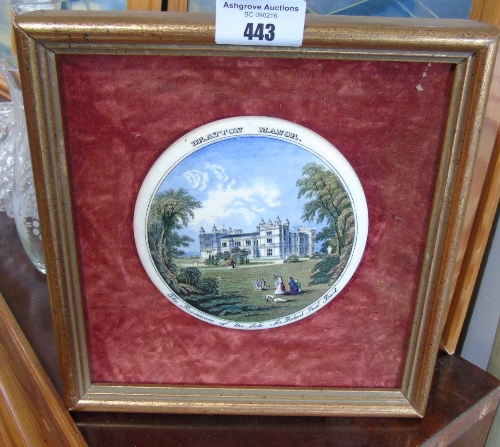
[{"x": 251, "y": 223}]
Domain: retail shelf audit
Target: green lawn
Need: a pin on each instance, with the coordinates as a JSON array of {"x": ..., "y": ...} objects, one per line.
[{"x": 240, "y": 282}]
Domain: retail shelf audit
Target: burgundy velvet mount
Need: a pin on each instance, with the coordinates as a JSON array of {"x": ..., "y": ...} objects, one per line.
[{"x": 121, "y": 112}]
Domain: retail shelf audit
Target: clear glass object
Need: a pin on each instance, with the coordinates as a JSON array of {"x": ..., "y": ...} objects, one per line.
[
  {"x": 23, "y": 197},
  {"x": 24, "y": 204},
  {"x": 22, "y": 6},
  {"x": 6, "y": 157}
]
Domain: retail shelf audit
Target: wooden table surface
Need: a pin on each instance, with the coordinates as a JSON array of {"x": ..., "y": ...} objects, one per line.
[{"x": 461, "y": 407}]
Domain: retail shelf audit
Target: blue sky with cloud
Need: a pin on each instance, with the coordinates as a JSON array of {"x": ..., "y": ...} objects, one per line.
[{"x": 240, "y": 181}]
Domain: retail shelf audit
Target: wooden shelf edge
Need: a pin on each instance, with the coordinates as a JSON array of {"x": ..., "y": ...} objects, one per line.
[{"x": 31, "y": 411}]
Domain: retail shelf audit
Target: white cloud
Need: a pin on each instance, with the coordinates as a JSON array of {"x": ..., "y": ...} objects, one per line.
[
  {"x": 218, "y": 171},
  {"x": 237, "y": 207},
  {"x": 258, "y": 210},
  {"x": 197, "y": 179},
  {"x": 227, "y": 203}
]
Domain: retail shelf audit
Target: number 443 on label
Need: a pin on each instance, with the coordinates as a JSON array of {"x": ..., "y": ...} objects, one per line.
[
  {"x": 259, "y": 31},
  {"x": 260, "y": 22}
]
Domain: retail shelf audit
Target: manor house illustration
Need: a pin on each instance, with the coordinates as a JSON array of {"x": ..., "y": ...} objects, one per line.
[{"x": 271, "y": 241}]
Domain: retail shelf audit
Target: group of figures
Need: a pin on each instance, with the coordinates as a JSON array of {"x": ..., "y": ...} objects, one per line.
[
  {"x": 279, "y": 283},
  {"x": 294, "y": 286},
  {"x": 260, "y": 284}
]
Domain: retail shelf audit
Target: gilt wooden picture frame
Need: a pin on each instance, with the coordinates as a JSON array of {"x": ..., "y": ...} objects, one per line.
[{"x": 401, "y": 101}]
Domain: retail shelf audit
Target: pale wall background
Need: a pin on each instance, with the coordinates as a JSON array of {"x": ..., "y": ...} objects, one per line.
[{"x": 479, "y": 335}]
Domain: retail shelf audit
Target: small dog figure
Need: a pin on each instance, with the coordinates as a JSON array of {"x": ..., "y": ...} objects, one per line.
[{"x": 275, "y": 299}]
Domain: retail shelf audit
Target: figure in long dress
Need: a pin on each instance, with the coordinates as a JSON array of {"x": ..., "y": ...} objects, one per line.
[
  {"x": 294, "y": 288},
  {"x": 280, "y": 285}
]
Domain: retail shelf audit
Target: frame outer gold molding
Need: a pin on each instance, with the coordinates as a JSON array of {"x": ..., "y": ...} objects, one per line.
[{"x": 469, "y": 45}]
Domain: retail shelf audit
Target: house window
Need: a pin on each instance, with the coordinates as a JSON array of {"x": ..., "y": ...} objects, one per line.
[
  {"x": 237, "y": 244},
  {"x": 269, "y": 241},
  {"x": 269, "y": 233},
  {"x": 249, "y": 243},
  {"x": 269, "y": 252},
  {"x": 224, "y": 244}
]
